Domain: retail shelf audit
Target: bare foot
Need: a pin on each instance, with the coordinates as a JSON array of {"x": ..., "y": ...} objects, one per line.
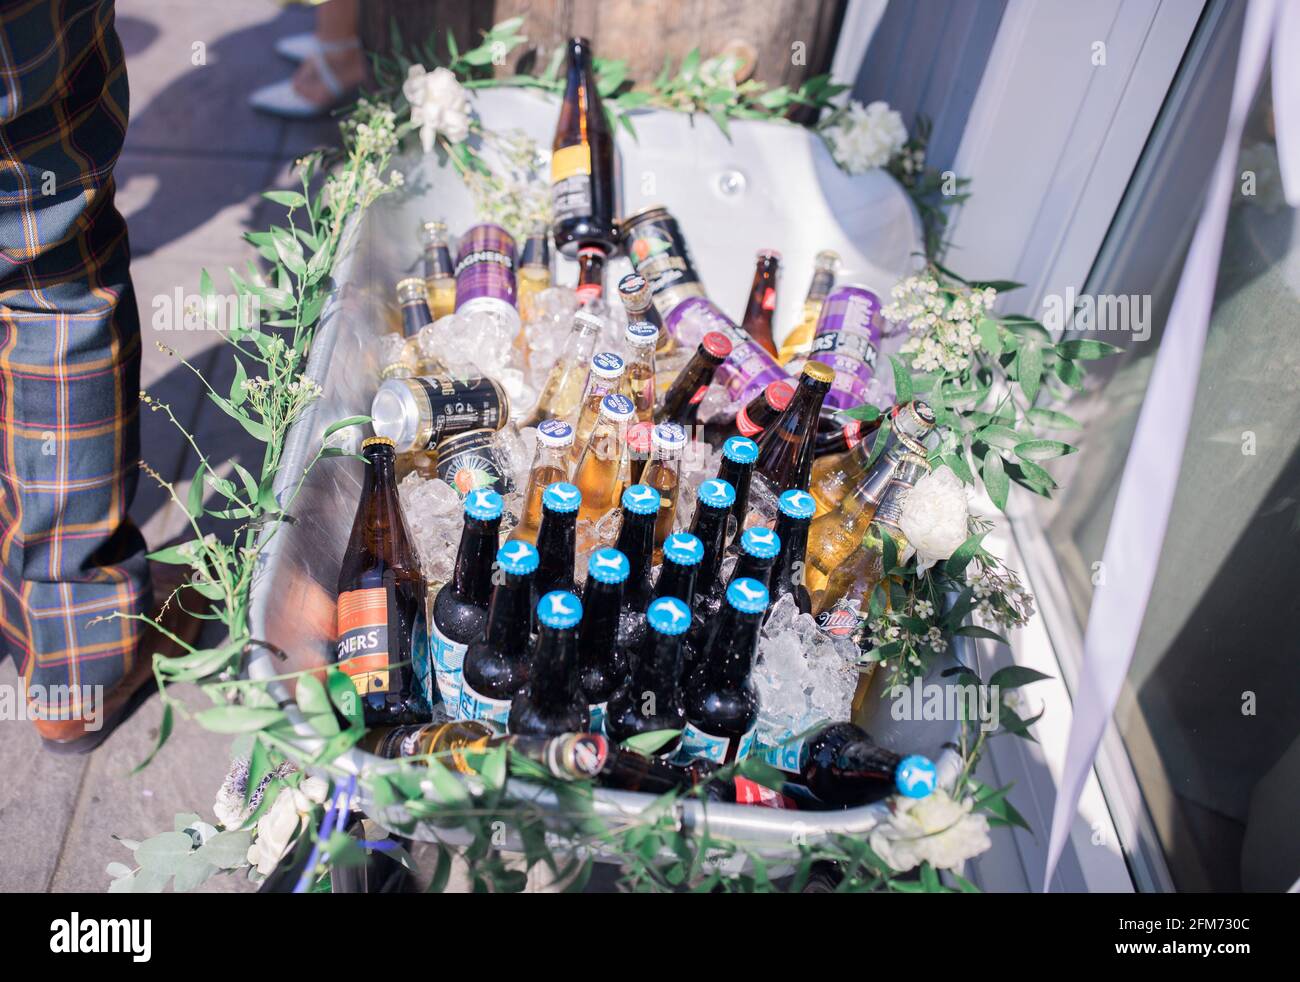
[{"x": 348, "y": 66}]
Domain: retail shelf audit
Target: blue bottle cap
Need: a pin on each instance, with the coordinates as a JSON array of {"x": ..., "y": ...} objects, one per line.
[
  {"x": 916, "y": 776},
  {"x": 559, "y": 609},
  {"x": 747, "y": 596},
  {"x": 483, "y": 504},
  {"x": 740, "y": 450},
  {"x": 683, "y": 549},
  {"x": 518, "y": 558},
  {"x": 668, "y": 436},
  {"x": 761, "y": 543},
  {"x": 717, "y": 493},
  {"x": 639, "y": 333},
  {"x": 561, "y": 497},
  {"x": 668, "y": 615},
  {"x": 608, "y": 566},
  {"x": 554, "y": 433},
  {"x": 640, "y": 499},
  {"x": 796, "y": 504},
  {"x": 606, "y": 364},
  {"x": 617, "y": 407}
]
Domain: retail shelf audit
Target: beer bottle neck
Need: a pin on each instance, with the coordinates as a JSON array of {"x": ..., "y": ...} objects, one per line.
[
  {"x": 380, "y": 510},
  {"x": 677, "y": 580},
  {"x": 472, "y": 579},
  {"x": 554, "y": 667},
  {"x": 601, "y": 603},
  {"x": 793, "y": 533},
  {"x": 754, "y": 567},
  {"x": 710, "y": 527},
  {"x": 437, "y": 261},
  {"x": 738, "y": 475},
  {"x": 636, "y": 540},
  {"x": 507, "y": 625},
  {"x": 658, "y": 665},
  {"x": 556, "y": 542},
  {"x": 415, "y": 315},
  {"x": 681, "y": 402},
  {"x": 737, "y": 644},
  {"x": 785, "y": 452}
]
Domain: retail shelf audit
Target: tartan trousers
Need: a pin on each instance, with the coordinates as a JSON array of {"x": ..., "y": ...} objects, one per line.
[{"x": 69, "y": 352}]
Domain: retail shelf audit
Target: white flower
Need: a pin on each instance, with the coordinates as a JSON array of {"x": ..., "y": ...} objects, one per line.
[
  {"x": 287, "y": 816},
  {"x": 935, "y": 516},
  {"x": 438, "y": 105},
  {"x": 933, "y": 829},
  {"x": 862, "y": 137}
]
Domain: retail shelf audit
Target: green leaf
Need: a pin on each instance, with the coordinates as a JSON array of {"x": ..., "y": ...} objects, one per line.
[
  {"x": 1084, "y": 350},
  {"x": 995, "y": 479},
  {"x": 1030, "y": 370},
  {"x": 164, "y": 731},
  {"x": 237, "y": 392},
  {"x": 343, "y": 424},
  {"x": 956, "y": 462},
  {"x": 1014, "y": 676},
  {"x": 194, "y": 502},
  {"x": 1002, "y": 286},
  {"x": 902, "y": 380},
  {"x": 1070, "y": 373},
  {"x": 650, "y": 741},
  {"x": 866, "y": 412},
  {"x": 237, "y": 719},
  {"x": 311, "y": 697},
  {"x": 255, "y": 429},
  {"x": 1043, "y": 449},
  {"x": 343, "y": 694},
  {"x": 227, "y": 850},
  {"x": 955, "y": 565},
  {"x": 1052, "y": 419},
  {"x": 164, "y": 852},
  {"x": 290, "y": 199},
  {"x": 175, "y": 555},
  {"x": 205, "y": 284},
  {"x": 990, "y": 337},
  {"x": 975, "y": 631},
  {"x": 192, "y": 874}
]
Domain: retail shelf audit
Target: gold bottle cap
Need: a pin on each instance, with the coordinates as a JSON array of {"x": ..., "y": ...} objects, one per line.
[
  {"x": 819, "y": 372},
  {"x": 377, "y": 441},
  {"x": 827, "y": 259},
  {"x": 434, "y": 229}
]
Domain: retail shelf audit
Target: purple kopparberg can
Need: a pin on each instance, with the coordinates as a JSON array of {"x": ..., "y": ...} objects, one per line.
[
  {"x": 485, "y": 273},
  {"x": 749, "y": 369},
  {"x": 848, "y": 340}
]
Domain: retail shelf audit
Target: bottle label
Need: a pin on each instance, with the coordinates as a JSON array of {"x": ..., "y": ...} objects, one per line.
[
  {"x": 476, "y": 706},
  {"x": 571, "y": 181},
  {"x": 848, "y": 340},
  {"x": 841, "y": 621},
  {"x": 745, "y": 425},
  {"x": 363, "y": 638},
  {"x": 599, "y": 713},
  {"x": 787, "y": 757},
  {"x": 752, "y": 793},
  {"x": 851, "y": 430},
  {"x": 699, "y": 395},
  {"x": 710, "y": 746},
  {"x": 447, "y": 657}
]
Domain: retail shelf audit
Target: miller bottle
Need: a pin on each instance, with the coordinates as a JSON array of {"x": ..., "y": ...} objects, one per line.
[
  {"x": 760, "y": 412},
  {"x": 845, "y": 768},
  {"x": 683, "y": 554},
  {"x": 380, "y": 596},
  {"x": 737, "y": 468},
  {"x": 439, "y": 271},
  {"x": 718, "y": 696},
  {"x": 636, "y": 540},
  {"x": 835, "y": 534},
  {"x": 562, "y": 390},
  {"x": 551, "y": 702},
  {"x": 682, "y": 400},
  {"x": 582, "y": 160},
  {"x": 550, "y": 464},
  {"x": 556, "y": 539},
  {"x": 757, "y": 322},
  {"x": 794, "y": 512},
  {"x": 602, "y": 665},
  {"x": 650, "y": 699},
  {"x": 709, "y": 525},
  {"x": 799, "y": 340},
  {"x": 604, "y": 376},
  {"x": 785, "y": 454},
  {"x": 600, "y": 472},
  {"x": 496, "y": 665},
  {"x": 460, "y": 607},
  {"x": 758, "y": 551},
  {"x": 835, "y": 477},
  {"x": 663, "y": 473}
]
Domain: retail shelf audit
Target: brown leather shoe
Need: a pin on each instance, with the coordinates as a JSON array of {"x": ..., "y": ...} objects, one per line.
[{"x": 71, "y": 736}]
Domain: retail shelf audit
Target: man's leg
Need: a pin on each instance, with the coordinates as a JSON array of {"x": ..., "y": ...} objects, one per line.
[{"x": 69, "y": 364}]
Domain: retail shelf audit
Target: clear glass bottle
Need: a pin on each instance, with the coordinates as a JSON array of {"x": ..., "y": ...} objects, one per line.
[
  {"x": 562, "y": 391},
  {"x": 600, "y": 469},
  {"x": 799, "y": 340},
  {"x": 550, "y": 464},
  {"x": 834, "y": 477},
  {"x": 663, "y": 473},
  {"x": 439, "y": 272},
  {"x": 639, "y": 379},
  {"x": 605, "y": 376}
]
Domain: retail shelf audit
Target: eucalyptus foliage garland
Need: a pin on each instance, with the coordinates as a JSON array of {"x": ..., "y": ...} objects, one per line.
[{"x": 986, "y": 402}]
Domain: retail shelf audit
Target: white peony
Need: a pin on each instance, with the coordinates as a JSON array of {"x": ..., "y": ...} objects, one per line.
[
  {"x": 934, "y": 517},
  {"x": 862, "y": 137},
  {"x": 282, "y": 822},
  {"x": 934, "y": 829},
  {"x": 438, "y": 105}
]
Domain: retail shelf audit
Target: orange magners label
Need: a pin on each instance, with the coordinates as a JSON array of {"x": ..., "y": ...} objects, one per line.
[{"x": 363, "y": 638}]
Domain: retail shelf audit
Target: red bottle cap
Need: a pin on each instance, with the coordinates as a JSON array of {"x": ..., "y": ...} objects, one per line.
[
  {"x": 716, "y": 344},
  {"x": 639, "y": 436},
  {"x": 778, "y": 395}
]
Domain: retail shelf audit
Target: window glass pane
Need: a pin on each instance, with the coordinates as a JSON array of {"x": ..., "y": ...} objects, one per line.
[{"x": 1211, "y": 713}]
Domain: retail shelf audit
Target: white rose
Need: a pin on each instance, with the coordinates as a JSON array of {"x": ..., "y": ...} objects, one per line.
[
  {"x": 935, "y": 516},
  {"x": 286, "y": 817},
  {"x": 438, "y": 105},
  {"x": 864, "y": 137},
  {"x": 934, "y": 829}
]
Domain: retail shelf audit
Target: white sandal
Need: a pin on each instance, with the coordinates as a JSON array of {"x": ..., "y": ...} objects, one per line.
[
  {"x": 300, "y": 47},
  {"x": 282, "y": 99}
]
